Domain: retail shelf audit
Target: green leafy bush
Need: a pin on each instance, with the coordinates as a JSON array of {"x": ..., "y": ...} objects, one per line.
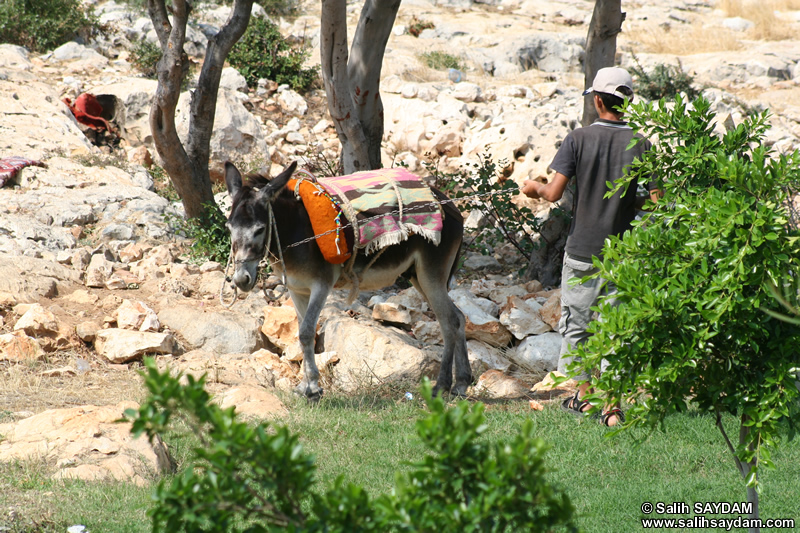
[
  {"x": 441, "y": 60},
  {"x": 41, "y": 25},
  {"x": 262, "y": 52},
  {"x": 144, "y": 57},
  {"x": 664, "y": 81},
  {"x": 211, "y": 240},
  {"x": 258, "y": 478},
  {"x": 693, "y": 279},
  {"x": 482, "y": 186}
]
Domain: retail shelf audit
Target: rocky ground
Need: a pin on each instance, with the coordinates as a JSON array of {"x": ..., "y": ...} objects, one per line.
[{"x": 93, "y": 276}]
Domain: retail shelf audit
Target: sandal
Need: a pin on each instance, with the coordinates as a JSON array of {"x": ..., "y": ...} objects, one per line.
[
  {"x": 616, "y": 411},
  {"x": 575, "y": 405}
]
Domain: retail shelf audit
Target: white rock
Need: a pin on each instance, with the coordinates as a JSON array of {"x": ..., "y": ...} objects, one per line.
[
  {"x": 538, "y": 353},
  {"x": 137, "y": 316},
  {"x": 370, "y": 354},
  {"x": 467, "y": 92},
  {"x": 122, "y": 345},
  {"x": 232, "y": 80},
  {"x": 292, "y": 103},
  {"x": 522, "y": 318},
  {"x": 37, "y": 321}
]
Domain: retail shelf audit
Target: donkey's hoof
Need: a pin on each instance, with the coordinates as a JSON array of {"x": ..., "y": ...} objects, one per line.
[
  {"x": 443, "y": 390},
  {"x": 460, "y": 391},
  {"x": 313, "y": 393}
]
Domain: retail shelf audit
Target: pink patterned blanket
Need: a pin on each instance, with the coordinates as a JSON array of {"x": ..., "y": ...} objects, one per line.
[
  {"x": 9, "y": 166},
  {"x": 385, "y": 206}
]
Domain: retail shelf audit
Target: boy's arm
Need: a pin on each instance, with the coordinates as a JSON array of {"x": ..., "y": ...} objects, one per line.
[{"x": 552, "y": 191}]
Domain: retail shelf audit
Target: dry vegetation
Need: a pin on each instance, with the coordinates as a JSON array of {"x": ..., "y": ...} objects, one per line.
[{"x": 769, "y": 24}]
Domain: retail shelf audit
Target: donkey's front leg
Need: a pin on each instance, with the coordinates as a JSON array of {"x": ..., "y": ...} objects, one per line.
[{"x": 308, "y": 309}]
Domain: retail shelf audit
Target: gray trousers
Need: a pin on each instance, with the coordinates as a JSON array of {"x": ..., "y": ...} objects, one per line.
[{"x": 576, "y": 309}]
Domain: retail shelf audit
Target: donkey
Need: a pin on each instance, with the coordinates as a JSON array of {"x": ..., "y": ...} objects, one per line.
[{"x": 310, "y": 278}]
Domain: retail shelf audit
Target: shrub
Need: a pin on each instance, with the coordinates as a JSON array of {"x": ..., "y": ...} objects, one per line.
[
  {"x": 693, "y": 279},
  {"x": 417, "y": 26},
  {"x": 664, "y": 81},
  {"x": 262, "y": 52},
  {"x": 482, "y": 186},
  {"x": 41, "y": 25},
  {"x": 211, "y": 240},
  {"x": 441, "y": 60},
  {"x": 144, "y": 57},
  {"x": 258, "y": 478}
]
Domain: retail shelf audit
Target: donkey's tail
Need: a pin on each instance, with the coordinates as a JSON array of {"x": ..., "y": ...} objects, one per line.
[{"x": 455, "y": 217}]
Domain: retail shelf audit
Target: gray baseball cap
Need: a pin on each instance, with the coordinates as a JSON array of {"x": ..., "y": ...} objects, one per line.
[{"x": 612, "y": 80}]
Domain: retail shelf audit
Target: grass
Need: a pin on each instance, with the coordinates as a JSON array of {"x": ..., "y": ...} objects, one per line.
[
  {"x": 368, "y": 438},
  {"x": 438, "y": 60}
]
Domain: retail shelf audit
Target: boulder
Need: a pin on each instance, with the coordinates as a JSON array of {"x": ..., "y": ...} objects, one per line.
[
  {"x": 522, "y": 318},
  {"x": 481, "y": 325},
  {"x": 50, "y": 279},
  {"x": 252, "y": 402},
  {"x": 369, "y": 353},
  {"x": 137, "y": 316},
  {"x": 37, "y": 322},
  {"x": 237, "y": 135},
  {"x": 483, "y": 357},
  {"x": 538, "y": 354},
  {"x": 551, "y": 310},
  {"x": 17, "y": 347},
  {"x": 216, "y": 332},
  {"x": 86, "y": 443},
  {"x": 123, "y": 345},
  {"x": 496, "y": 384},
  {"x": 259, "y": 369},
  {"x": 281, "y": 328}
]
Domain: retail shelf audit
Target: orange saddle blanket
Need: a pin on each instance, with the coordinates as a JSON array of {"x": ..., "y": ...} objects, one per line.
[{"x": 333, "y": 234}]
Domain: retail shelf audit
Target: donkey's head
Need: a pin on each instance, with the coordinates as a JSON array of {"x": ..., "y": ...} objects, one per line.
[{"x": 249, "y": 222}]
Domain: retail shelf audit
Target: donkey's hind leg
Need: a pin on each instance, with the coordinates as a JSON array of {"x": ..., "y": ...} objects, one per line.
[{"x": 452, "y": 322}]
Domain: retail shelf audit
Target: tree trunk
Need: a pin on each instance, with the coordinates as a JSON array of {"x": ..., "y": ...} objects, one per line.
[
  {"x": 352, "y": 82},
  {"x": 601, "y": 47},
  {"x": 187, "y": 166},
  {"x": 745, "y": 468}
]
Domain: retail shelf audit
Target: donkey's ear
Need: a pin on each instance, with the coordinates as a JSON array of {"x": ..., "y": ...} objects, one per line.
[
  {"x": 233, "y": 179},
  {"x": 279, "y": 182}
]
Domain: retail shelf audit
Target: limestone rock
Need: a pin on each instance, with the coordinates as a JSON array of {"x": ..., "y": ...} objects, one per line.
[
  {"x": 538, "y": 354},
  {"x": 551, "y": 310},
  {"x": 122, "y": 345},
  {"x": 483, "y": 357},
  {"x": 392, "y": 313},
  {"x": 369, "y": 353},
  {"x": 480, "y": 325},
  {"x": 16, "y": 280},
  {"x": 252, "y": 402},
  {"x": 86, "y": 443},
  {"x": 37, "y": 321},
  {"x": 99, "y": 271},
  {"x": 218, "y": 332},
  {"x": 496, "y": 384},
  {"x": 18, "y": 347},
  {"x": 522, "y": 318},
  {"x": 281, "y": 328},
  {"x": 137, "y": 316}
]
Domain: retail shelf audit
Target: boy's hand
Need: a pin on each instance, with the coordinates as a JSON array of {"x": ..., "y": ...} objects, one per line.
[{"x": 530, "y": 189}]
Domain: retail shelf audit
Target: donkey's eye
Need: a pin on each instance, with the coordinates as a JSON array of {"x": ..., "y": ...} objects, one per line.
[{"x": 260, "y": 231}]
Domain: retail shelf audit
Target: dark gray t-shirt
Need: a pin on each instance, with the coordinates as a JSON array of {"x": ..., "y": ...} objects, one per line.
[{"x": 594, "y": 155}]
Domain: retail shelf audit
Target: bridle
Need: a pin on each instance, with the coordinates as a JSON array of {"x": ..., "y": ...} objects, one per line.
[{"x": 272, "y": 228}]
